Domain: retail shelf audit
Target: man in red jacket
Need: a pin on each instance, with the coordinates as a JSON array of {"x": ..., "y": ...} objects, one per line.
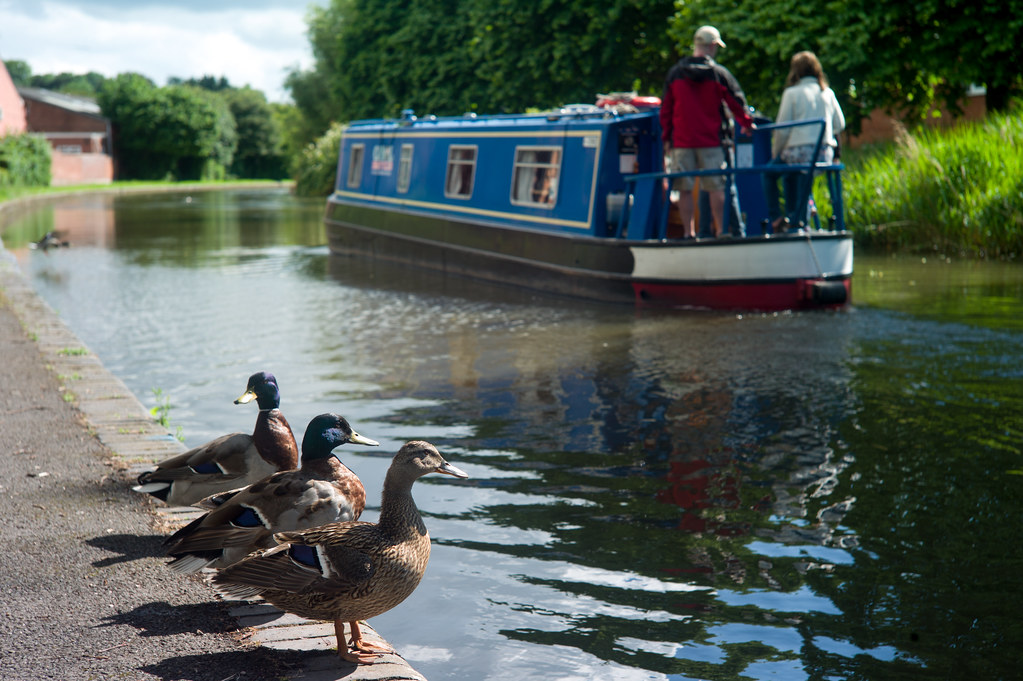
[{"x": 695, "y": 123}]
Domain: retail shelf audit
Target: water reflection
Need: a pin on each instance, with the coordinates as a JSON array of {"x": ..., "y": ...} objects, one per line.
[{"x": 653, "y": 494}]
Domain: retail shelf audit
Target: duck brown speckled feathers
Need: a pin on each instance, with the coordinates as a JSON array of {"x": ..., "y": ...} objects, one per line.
[
  {"x": 348, "y": 571},
  {"x": 322, "y": 491},
  {"x": 230, "y": 461}
]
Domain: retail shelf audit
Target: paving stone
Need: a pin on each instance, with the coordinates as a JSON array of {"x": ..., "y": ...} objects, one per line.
[
  {"x": 291, "y": 633},
  {"x": 273, "y": 618}
]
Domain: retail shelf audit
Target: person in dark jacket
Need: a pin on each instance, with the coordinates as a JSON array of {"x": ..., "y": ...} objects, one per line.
[{"x": 698, "y": 94}]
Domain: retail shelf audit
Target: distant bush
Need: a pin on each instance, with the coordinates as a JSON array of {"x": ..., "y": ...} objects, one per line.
[
  {"x": 316, "y": 168},
  {"x": 24, "y": 161},
  {"x": 953, "y": 191}
]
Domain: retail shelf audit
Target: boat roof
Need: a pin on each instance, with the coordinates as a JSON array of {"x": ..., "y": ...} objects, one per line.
[{"x": 582, "y": 114}]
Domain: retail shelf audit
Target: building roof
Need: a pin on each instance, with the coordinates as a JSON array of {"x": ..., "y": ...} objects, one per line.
[{"x": 61, "y": 100}]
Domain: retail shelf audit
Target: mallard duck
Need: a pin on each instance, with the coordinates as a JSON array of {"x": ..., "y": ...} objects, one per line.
[
  {"x": 50, "y": 240},
  {"x": 231, "y": 461},
  {"x": 348, "y": 571},
  {"x": 322, "y": 491}
]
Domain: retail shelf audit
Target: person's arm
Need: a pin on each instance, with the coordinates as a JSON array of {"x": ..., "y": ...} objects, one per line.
[
  {"x": 734, "y": 98},
  {"x": 837, "y": 117},
  {"x": 667, "y": 110}
]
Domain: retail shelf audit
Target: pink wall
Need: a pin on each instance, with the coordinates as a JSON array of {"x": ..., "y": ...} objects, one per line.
[
  {"x": 84, "y": 168},
  {"x": 12, "y": 109}
]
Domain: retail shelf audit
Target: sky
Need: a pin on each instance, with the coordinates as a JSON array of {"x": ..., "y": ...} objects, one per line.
[{"x": 249, "y": 42}]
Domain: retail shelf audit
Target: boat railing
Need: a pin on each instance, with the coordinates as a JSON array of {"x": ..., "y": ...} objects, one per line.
[{"x": 644, "y": 213}]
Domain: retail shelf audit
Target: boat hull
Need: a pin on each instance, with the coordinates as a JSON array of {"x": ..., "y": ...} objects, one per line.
[{"x": 809, "y": 270}]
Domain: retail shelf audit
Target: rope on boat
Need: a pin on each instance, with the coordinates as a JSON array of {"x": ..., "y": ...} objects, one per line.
[{"x": 809, "y": 242}]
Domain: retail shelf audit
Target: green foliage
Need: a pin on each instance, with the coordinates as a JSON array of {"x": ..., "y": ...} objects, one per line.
[
  {"x": 82, "y": 85},
  {"x": 552, "y": 53},
  {"x": 177, "y": 131},
  {"x": 161, "y": 412},
  {"x": 259, "y": 136},
  {"x": 24, "y": 161},
  {"x": 954, "y": 191},
  {"x": 200, "y": 128},
  {"x": 207, "y": 82},
  {"x": 295, "y": 133},
  {"x": 376, "y": 58},
  {"x": 316, "y": 169},
  {"x": 476, "y": 55},
  {"x": 20, "y": 71},
  {"x": 903, "y": 57}
]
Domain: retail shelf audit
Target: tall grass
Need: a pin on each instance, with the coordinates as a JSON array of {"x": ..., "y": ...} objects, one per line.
[{"x": 958, "y": 190}]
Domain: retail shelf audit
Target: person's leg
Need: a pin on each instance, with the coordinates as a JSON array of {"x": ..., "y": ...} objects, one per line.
[
  {"x": 713, "y": 158},
  {"x": 686, "y": 210},
  {"x": 717, "y": 208},
  {"x": 685, "y": 160},
  {"x": 706, "y": 229}
]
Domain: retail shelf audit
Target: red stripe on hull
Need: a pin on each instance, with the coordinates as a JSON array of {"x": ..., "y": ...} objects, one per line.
[{"x": 789, "y": 295}]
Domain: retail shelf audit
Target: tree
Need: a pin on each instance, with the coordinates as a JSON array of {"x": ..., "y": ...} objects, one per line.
[
  {"x": 376, "y": 58},
  {"x": 259, "y": 137},
  {"x": 213, "y": 128},
  {"x": 905, "y": 57},
  {"x": 561, "y": 51},
  {"x": 177, "y": 131},
  {"x": 20, "y": 71},
  {"x": 963, "y": 43},
  {"x": 316, "y": 92},
  {"x": 82, "y": 85},
  {"x": 207, "y": 82}
]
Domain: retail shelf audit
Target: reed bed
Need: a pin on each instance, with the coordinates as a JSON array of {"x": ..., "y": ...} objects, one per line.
[{"x": 954, "y": 191}]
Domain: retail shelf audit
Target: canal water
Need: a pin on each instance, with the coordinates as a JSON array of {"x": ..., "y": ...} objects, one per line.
[{"x": 653, "y": 494}]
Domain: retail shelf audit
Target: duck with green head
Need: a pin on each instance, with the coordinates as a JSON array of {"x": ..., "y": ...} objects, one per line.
[
  {"x": 322, "y": 491},
  {"x": 230, "y": 461},
  {"x": 350, "y": 571}
]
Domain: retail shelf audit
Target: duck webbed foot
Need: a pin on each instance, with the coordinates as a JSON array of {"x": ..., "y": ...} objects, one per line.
[{"x": 358, "y": 650}]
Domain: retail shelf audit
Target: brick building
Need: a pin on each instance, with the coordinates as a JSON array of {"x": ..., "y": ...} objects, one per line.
[
  {"x": 881, "y": 126},
  {"x": 12, "y": 108},
  {"x": 77, "y": 132}
]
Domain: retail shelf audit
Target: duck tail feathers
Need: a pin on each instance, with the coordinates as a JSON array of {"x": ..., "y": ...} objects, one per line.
[
  {"x": 231, "y": 591},
  {"x": 188, "y": 564},
  {"x": 151, "y": 487}
]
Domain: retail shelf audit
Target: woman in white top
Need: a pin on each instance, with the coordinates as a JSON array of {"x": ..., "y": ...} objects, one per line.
[{"x": 806, "y": 96}]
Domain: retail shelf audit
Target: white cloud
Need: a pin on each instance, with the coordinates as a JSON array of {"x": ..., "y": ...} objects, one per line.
[{"x": 253, "y": 45}]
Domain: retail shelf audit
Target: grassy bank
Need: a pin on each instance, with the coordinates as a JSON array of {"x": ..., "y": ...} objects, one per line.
[
  {"x": 957, "y": 191},
  {"x": 15, "y": 193}
]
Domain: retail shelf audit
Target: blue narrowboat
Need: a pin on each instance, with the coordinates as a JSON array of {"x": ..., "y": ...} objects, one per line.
[{"x": 576, "y": 202}]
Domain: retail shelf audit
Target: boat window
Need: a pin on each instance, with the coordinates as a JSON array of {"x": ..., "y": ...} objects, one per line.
[
  {"x": 461, "y": 168},
  {"x": 383, "y": 160},
  {"x": 355, "y": 165},
  {"x": 535, "y": 180},
  {"x": 405, "y": 168}
]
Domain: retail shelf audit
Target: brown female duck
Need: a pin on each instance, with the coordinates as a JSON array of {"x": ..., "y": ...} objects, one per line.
[
  {"x": 348, "y": 571},
  {"x": 230, "y": 461},
  {"x": 322, "y": 491}
]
